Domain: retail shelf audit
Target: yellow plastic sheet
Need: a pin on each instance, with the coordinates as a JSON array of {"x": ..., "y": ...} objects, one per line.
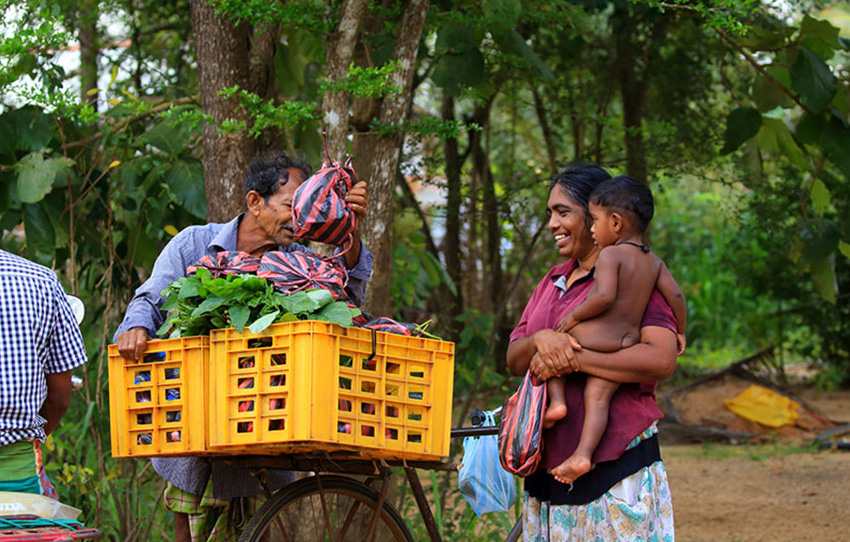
[{"x": 764, "y": 406}]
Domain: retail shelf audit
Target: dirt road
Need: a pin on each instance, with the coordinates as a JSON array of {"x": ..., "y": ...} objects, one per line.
[{"x": 763, "y": 493}]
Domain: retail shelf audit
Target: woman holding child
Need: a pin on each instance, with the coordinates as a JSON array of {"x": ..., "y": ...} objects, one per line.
[{"x": 625, "y": 496}]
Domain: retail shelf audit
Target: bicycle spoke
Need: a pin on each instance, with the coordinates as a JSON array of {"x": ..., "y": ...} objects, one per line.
[{"x": 325, "y": 510}]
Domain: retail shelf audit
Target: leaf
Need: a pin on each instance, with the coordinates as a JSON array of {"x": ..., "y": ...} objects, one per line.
[
  {"x": 775, "y": 137},
  {"x": 33, "y": 129},
  {"x": 820, "y": 239},
  {"x": 502, "y": 15},
  {"x": 844, "y": 248},
  {"x": 457, "y": 71},
  {"x": 169, "y": 136},
  {"x": 337, "y": 313},
  {"x": 819, "y": 36},
  {"x": 39, "y": 230},
  {"x": 824, "y": 279},
  {"x": 239, "y": 315},
  {"x": 767, "y": 94},
  {"x": 186, "y": 181},
  {"x": 741, "y": 125},
  {"x": 821, "y": 198},
  {"x": 835, "y": 142},
  {"x": 190, "y": 288},
  {"x": 209, "y": 304},
  {"x": 513, "y": 42},
  {"x": 320, "y": 298},
  {"x": 812, "y": 79},
  {"x": 36, "y": 175},
  {"x": 263, "y": 322}
]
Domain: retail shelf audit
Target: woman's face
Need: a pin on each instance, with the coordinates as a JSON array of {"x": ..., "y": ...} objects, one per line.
[{"x": 568, "y": 226}]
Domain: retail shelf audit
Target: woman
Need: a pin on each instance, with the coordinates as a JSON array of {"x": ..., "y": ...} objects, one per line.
[{"x": 626, "y": 496}]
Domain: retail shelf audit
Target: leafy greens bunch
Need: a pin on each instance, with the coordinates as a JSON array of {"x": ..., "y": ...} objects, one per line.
[{"x": 200, "y": 302}]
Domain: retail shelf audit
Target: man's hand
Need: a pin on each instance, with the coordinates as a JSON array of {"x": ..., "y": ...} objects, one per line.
[
  {"x": 358, "y": 199},
  {"x": 133, "y": 343}
]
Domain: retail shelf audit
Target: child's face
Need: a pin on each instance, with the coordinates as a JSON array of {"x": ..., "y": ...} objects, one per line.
[{"x": 604, "y": 228}]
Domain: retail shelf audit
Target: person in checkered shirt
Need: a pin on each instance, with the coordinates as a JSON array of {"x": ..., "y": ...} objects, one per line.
[{"x": 41, "y": 343}]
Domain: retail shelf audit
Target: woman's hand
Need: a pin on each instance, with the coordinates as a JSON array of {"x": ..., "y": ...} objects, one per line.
[{"x": 556, "y": 354}]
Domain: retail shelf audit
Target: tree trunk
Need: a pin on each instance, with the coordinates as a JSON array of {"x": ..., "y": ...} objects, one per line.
[
  {"x": 379, "y": 221},
  {"x": 451, "y": 244},
  {"x": 223, "y": 55},
  {"x": 545, "y": 127},
  {"x": 339, "y": 54},
  {"x": 87, "y": 17}
]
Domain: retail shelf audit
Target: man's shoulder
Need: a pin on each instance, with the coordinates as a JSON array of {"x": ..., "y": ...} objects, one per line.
[{"x": 14, "y": 264}]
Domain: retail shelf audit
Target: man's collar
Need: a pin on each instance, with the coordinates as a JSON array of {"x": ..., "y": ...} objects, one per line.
[{"x": 226, "y": 238}]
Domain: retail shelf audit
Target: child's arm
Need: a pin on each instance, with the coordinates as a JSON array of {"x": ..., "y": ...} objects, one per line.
[
  {"x": 668, "y": 287},
  {"x": 603, "y": 293}
]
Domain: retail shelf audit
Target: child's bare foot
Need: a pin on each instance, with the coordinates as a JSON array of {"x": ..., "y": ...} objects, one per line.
[
  {"x": 554, "y": 412},
  {"x": 573, "y": 467}
]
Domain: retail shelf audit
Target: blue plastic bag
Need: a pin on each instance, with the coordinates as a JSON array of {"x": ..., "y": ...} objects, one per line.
[{"x": 485, "y": 485}]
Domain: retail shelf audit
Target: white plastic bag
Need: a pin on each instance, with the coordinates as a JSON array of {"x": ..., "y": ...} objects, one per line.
[
  {"x": 15, "y": 504},
  {"x": 485, "y": 485}
]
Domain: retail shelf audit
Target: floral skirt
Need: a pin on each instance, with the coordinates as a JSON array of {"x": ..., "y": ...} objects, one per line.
[{"x": 637, "y": 509}]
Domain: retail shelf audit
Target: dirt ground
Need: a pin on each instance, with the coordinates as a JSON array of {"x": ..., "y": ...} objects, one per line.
[{"x": 770, "y": 492}]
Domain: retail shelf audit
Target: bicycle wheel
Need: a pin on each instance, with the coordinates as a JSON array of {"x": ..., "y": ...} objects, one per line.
[{"x": 325, "y": 508}]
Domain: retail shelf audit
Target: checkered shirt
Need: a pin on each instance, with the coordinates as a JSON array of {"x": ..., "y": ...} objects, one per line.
[{"x": 38, "y": 336}]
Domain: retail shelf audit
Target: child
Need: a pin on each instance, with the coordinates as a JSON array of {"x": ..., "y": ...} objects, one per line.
[{"x": 626, "y": 273}]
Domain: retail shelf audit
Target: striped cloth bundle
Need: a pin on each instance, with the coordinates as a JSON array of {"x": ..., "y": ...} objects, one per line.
[
  {"x": 521, "y": 428},
  {"x": 294, "y": 271},
  {"x": 226, "y": 263},
  {"x": 319, "y": 210}
]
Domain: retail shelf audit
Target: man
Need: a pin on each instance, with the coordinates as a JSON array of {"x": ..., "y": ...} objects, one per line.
[
  {"x": 196, "y": 486},
  {"x": 41, "y": 343}
]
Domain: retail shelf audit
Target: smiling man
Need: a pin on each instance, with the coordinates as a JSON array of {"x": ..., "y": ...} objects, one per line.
[{"x": 198, "y": 489}]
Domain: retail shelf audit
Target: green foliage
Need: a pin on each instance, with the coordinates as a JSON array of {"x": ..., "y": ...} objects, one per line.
[
  {"x": 365, "y": 82},
  {"x": 198, "y": 303},
  {"x": 265, "y": 114},
  {"x": 307, "y": 14}
]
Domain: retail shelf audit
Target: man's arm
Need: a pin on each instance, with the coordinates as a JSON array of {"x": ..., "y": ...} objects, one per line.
[
  {"x": 57, "y": 401},
  {"x": 669, "y": 288},
  {"x": 357, "y": 199},
  {"x": 144, "y": 317},
  {"x": 602, "y": 294}
]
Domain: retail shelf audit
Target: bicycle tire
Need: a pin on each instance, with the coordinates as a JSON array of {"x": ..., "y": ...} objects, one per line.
[
  {"x": 327, "y": 484},
  {"x": 516, "y": 532}
]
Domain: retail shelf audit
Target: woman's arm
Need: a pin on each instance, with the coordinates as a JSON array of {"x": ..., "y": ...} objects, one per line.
[
  {"x": 651, "y": 360},
  {"x": 553, "y": 350}
]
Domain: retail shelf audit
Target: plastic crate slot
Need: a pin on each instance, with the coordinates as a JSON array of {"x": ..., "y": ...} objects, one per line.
[
  {"x": 393, "y": 368},
  {"x": 344, "y": 383},
  {"x": 417, "y": 373},
  {"x": 367, "y": 387},
  {"x": 172, "y": 373},
  {"x": 277, "y": 403},
  {"x": 343, "y": 427},
  {"x": 277, "y": 425},
  {"x": 277, "y": 381},
  {"x": 172, "y": 436},
  {"x": 143, "y": 396},
  {"x": 346, "y": 361},
  {"x": 246, "y": 383},
  {"x": 392, "y": 390},
  {"x": 260, "y": 342},
  {"x": 172, "y": 394},
  {"x": 392, "y": 433},
  {"x": 368, "y": 408},
  {"x": 173, "y": 416},
  {"x": 369, "y": 364},
  {"x": 414, "y": 416},
  {"x": 245, "y": 406},
  {"x": 367, "y": 431},
  {"x": 392, "y": 411},
  {"x": 345, "y": 405},
  {"x": 246, "y": 362},
  {"x": 141, "y": 377},
  {"x": 414, "y": 437},
  {"x": 144, "y": 419},
  {"x": 153, "y": 357},
  {"x": 278, "y": 359},
  {"x": 245, "y": 427},
  {"x": 416, "y": 395},
  {"x": 144, "y": 439}
]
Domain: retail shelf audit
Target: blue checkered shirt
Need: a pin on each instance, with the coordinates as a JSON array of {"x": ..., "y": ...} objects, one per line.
[{"x": 38, "y": 336}]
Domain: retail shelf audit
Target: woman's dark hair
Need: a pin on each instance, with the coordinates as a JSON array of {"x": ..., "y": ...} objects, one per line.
[
  {"x": 578, "y": 181},
  {"x": 624, "y": 194},
  {"x": 265, "y": 172}
]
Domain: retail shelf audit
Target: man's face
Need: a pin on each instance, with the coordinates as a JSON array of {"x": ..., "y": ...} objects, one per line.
[{"x": 275, "y": 215}]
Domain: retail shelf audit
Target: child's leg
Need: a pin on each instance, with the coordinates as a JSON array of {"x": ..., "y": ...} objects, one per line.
[
  {"x": 557, "y": 408},
  {"x": 597, "y": 398}
]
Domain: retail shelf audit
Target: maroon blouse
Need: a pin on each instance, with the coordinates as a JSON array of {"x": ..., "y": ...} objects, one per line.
[{"x": 633, "y": 407}]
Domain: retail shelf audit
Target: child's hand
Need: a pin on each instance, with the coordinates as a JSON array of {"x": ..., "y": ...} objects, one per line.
[
  {"x": 566, "y": 324},
  {"x": 681, "y": 343}
]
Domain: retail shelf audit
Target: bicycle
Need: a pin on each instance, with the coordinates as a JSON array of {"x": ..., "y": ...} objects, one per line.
[{"x": 338, "y": 507}]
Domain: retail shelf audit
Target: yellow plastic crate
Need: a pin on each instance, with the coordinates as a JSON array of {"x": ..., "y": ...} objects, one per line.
[
  {"x": 157, "y": 407},
  {"x": 312, "y": 385}
]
